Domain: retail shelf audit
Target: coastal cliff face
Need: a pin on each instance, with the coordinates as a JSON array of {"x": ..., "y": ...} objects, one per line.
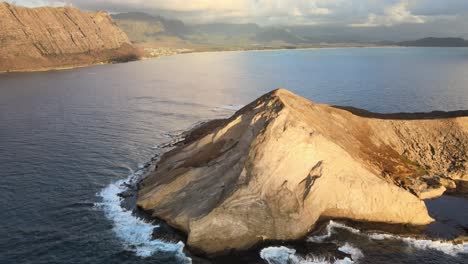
[
  {"x": 282, "y": 162},
  {"x": 55, "y": 37}
]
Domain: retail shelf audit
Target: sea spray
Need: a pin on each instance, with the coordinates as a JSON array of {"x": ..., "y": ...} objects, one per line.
[
  {"x": 329, "y": 230},
  {"x": 285, "y": 255},
  {"x": 355, "y": 252},
  {"x": 423, "y": 244},
  {"x": 134, "y": 232}
]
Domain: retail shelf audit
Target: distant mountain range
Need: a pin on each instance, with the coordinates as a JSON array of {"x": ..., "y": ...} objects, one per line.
[
  {"x": 435, "y": 42},
  {"x": 142, "y": 27},
  {"x": 145, "y": 28}
]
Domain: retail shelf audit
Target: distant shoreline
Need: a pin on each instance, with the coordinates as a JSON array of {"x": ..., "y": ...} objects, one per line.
[
  {"x": 213, "y": 50},
  {"x": 61, "y": 68},
  {"x": 186, "y": 51}
]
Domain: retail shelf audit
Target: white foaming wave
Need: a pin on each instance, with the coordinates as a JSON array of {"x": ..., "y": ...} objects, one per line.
[
  {"x": 230, "y": 108},
  {"x": 285, "y": 255},
  {"x": 134, "y": 232},
  {"x": 446, "y": 247},
  {"x": 379, "y": 236},
  {"x": 277, "y": 255},
  {"x": 424, "y": 244},
  {"x": 355, "y": 252},
  {"x": 330, "y": 230}
]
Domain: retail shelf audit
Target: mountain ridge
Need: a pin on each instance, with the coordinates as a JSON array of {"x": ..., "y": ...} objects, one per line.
[
  {"x": 151, "y": 27},
  {"x": 59, "y": 37},
  {"x": 435, "y": 42},
  {"x": 250, "y": 35}
]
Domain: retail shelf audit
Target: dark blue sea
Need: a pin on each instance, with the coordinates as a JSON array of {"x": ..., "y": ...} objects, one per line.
[{"x": 69, "y": 138}]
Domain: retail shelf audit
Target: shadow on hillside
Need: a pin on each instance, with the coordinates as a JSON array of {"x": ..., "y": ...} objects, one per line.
[{"x": 404, "y": 116}]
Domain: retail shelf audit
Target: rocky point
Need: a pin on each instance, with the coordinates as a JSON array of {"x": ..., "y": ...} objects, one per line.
[{"x": 281, "y": 163}]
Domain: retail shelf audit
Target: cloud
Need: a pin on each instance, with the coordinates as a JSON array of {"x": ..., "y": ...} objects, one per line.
[
  {"x": 201, "y": 11},
  {"x": 344, "y": 13},
  {"x": 396, "y": 14},
  {"x": 440, "y": 8},
  {"x": 36, "y": 3}
]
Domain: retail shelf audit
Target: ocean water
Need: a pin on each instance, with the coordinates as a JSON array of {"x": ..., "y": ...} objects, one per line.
[{"x": 68, "y": 139}]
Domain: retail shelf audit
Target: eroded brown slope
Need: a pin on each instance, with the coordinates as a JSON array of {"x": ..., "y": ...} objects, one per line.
[
  {"x": 56, "y": 37},
  {"x": 282, "y": 162}
]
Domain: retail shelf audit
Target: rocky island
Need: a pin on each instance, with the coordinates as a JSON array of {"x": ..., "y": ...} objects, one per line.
[
  {"x": 281, "y": 163},
  {"x": 59, "y": 37}
]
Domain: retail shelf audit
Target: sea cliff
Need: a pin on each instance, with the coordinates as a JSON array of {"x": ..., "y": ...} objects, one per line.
[{"x": 59, "y": 37}]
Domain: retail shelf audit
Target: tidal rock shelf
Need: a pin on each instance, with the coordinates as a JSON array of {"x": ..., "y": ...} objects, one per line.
[{"x": 281, "y": 163}]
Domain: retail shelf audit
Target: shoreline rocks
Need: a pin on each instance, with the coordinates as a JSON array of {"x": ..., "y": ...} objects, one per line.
[{"x": 281, "y": 163}]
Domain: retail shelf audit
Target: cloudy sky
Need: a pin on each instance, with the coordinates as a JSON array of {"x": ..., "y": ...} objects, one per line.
[{"x": 440, "y": 17}]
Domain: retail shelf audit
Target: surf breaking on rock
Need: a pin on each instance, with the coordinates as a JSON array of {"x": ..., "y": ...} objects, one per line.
[{"x": 135, "y": 233}]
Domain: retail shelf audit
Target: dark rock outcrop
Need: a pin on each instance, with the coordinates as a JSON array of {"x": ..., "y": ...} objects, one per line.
[{"x": 59, "y": 37}]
